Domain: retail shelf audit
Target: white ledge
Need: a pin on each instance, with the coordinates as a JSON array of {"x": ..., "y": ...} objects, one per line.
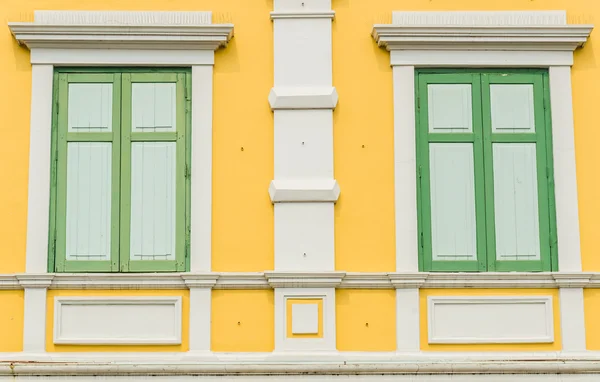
[
  {"x": 122, "y": 30},
  {"x": 466, "y": 37},
  {"x": 304, "y": 279},
  {"x": 302, "y": 15},
  {"x": 302, "y": 98},
  {"x": 304, "y": 190},
  {"x": 276, "y": 279}
]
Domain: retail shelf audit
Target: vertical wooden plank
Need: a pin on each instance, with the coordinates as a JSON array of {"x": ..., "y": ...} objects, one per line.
[{"x": 125, "y": 202}]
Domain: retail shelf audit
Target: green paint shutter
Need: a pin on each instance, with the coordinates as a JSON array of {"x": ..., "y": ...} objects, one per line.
[{"x": 485, "y": 194}]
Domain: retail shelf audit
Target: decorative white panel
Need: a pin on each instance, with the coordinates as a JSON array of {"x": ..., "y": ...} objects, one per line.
[
  {"x": 305, "y": 318},
  {"x": 516, "y": 201},
  {"x": 153, "y": 107},
  {"x": 450, "y": 108},
  {"x": 88, "y": 200},
  {"x": 512, "y": 108},
  {"x": 471, "y": 320},
  {"x": 153, "y": 184},
  {"x": 117, "y": 320},
  {"x": 453, "y": 223},
  {"x": 90, "y": 107},
  {"x": 327, "y": 341}
]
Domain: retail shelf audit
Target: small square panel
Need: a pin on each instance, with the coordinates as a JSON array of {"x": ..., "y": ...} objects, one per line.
[{"x": 305, "y": 319}]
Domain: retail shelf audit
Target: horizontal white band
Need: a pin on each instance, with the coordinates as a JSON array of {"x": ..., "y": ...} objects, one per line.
[
  {"x": 270, "y": 279},
  {"x": 304, "y": 190},
  {"x": 304, "y": 97},
  {"x": 302, "y": 15}
]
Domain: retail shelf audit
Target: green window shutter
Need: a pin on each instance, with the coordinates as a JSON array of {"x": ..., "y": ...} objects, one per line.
[
  {"x": 485, "y": 197},
  {"x": 87, "y": 173},
  {"x": 120, "y": 183}
]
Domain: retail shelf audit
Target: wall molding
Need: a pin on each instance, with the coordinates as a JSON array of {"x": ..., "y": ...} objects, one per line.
[
  {"x": 109, "y": 306},
  {"x": 303, "y": 97},
  {"x": 304, "y": 190},
  {"x": 298, "y": 363},
  {"x": 124, "y": 30},
  {"x": 302, "y": 15},
  {"x": 284, "y": 279},
  {"x": 473, "y": 310}
]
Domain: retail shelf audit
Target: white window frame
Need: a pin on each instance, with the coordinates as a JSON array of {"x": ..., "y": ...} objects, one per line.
[
  {"x": 475, "y": 39},
  {"x": 98, "y": 38}
]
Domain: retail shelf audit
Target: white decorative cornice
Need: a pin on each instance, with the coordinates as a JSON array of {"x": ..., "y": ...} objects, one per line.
[
  {"x": 242, "y": 281},
  {"x": 303, "y": 98},
  {"x": 302, "y": 15},
  {"x": 514, "y": 31},
  {"x": 125, "y": 30},
  {"x": 288, "y": 279},
  {"x": 304, "y": 279},
  {"x": 366, "y": 281},
  {"x": 304, "y": 190},
  {"x": 200, "y": 280},
  {"x": 35, "y": 280}
]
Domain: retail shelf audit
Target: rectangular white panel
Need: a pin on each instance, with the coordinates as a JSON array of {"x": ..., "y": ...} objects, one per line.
[
  {"x": 512, "y": 108},
  {"x": 153, "y": 107},
  {"x": 117, "y": 320},
  {"x": 516, "y": 201},
  {"x": 493, "y": 319},
  {"x": 305, "y": 318},
  {"x": 449, "y": 108},
  {"x": 304, "y": 237},
  {"x": 452, "y": 187},
  {"x": 153, "y": 184},
  {"x": 89, "y": 185},
  {"x": 90, "y": 107}
]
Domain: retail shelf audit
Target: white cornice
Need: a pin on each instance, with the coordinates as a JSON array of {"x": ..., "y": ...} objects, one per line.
[
  {"x": 302, "y": 15},
  {"x": 304, "y": 190},
  {"x": 277, "y": 279},
  {"x": 481, "y": 30},
  {"x": 459, "y": 37},
  {"x": 304, "y": 279},
  {"x": 122, "y": 30}
]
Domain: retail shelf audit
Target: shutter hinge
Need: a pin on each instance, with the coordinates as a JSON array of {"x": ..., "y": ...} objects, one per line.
[
  {"x": 547, "y": 172},
  {"x": 418, "y": 102},
  {"x": 421, "y": 239},
  {"x": 420, "y": 171},
  {"x": 187, "y": 171}
]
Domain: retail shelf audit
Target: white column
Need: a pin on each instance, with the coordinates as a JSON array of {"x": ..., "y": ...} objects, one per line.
[
  {"x": 201, "y": 171},
  {"x": 304, "y": 190},
  {"x": 407, "y": 320},
  {"x": 38, "y": 200},
  {"x": 34, "y": 326}
]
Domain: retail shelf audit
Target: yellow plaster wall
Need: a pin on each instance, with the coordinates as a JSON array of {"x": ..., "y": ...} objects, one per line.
[
  {"x": 242, "y": 321},
  {"x": 591, "y": 302},
  {"x": 555, "y": 346},
  {"x": 185, "y": 324},
  {"x": 11, "y": 321},
  {"x": 365, "y": 320}
]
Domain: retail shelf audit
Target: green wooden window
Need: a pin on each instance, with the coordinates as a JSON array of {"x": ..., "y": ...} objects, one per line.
[
  {"x": 484, "y": 167},
  {"x": 120, "y": 171}
]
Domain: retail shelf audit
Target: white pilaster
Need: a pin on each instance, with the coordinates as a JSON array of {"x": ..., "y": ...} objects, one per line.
[
  {"x": 39, "y": 169},
  {"x": 34, "y": 325},
  {"x": 407, "y": 320},
  {"x": 572, "y": 320},
  {"x": 304, "y": 190}
]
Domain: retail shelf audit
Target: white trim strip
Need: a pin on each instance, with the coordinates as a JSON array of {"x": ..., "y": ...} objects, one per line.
[
  {"x": 572, "y": 319},
  {"x": 305, "y": 97},
  {"x": 34, "y": 326},
  {"x": 276, "y": 279},
  {"x": 304, "y": 190},
  {"x": 302, "y": 15}
]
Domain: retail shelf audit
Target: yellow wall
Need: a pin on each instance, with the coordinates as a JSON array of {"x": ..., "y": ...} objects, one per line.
[
  {"x": 242, "y": 321},
  {"x": 11, "y": 321},
  {"x": 591, "y": 302},
  {"x": 365, "y": 320},
  {"x": 185, "y": 324},
  {"x": 555, "y": 346}
]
